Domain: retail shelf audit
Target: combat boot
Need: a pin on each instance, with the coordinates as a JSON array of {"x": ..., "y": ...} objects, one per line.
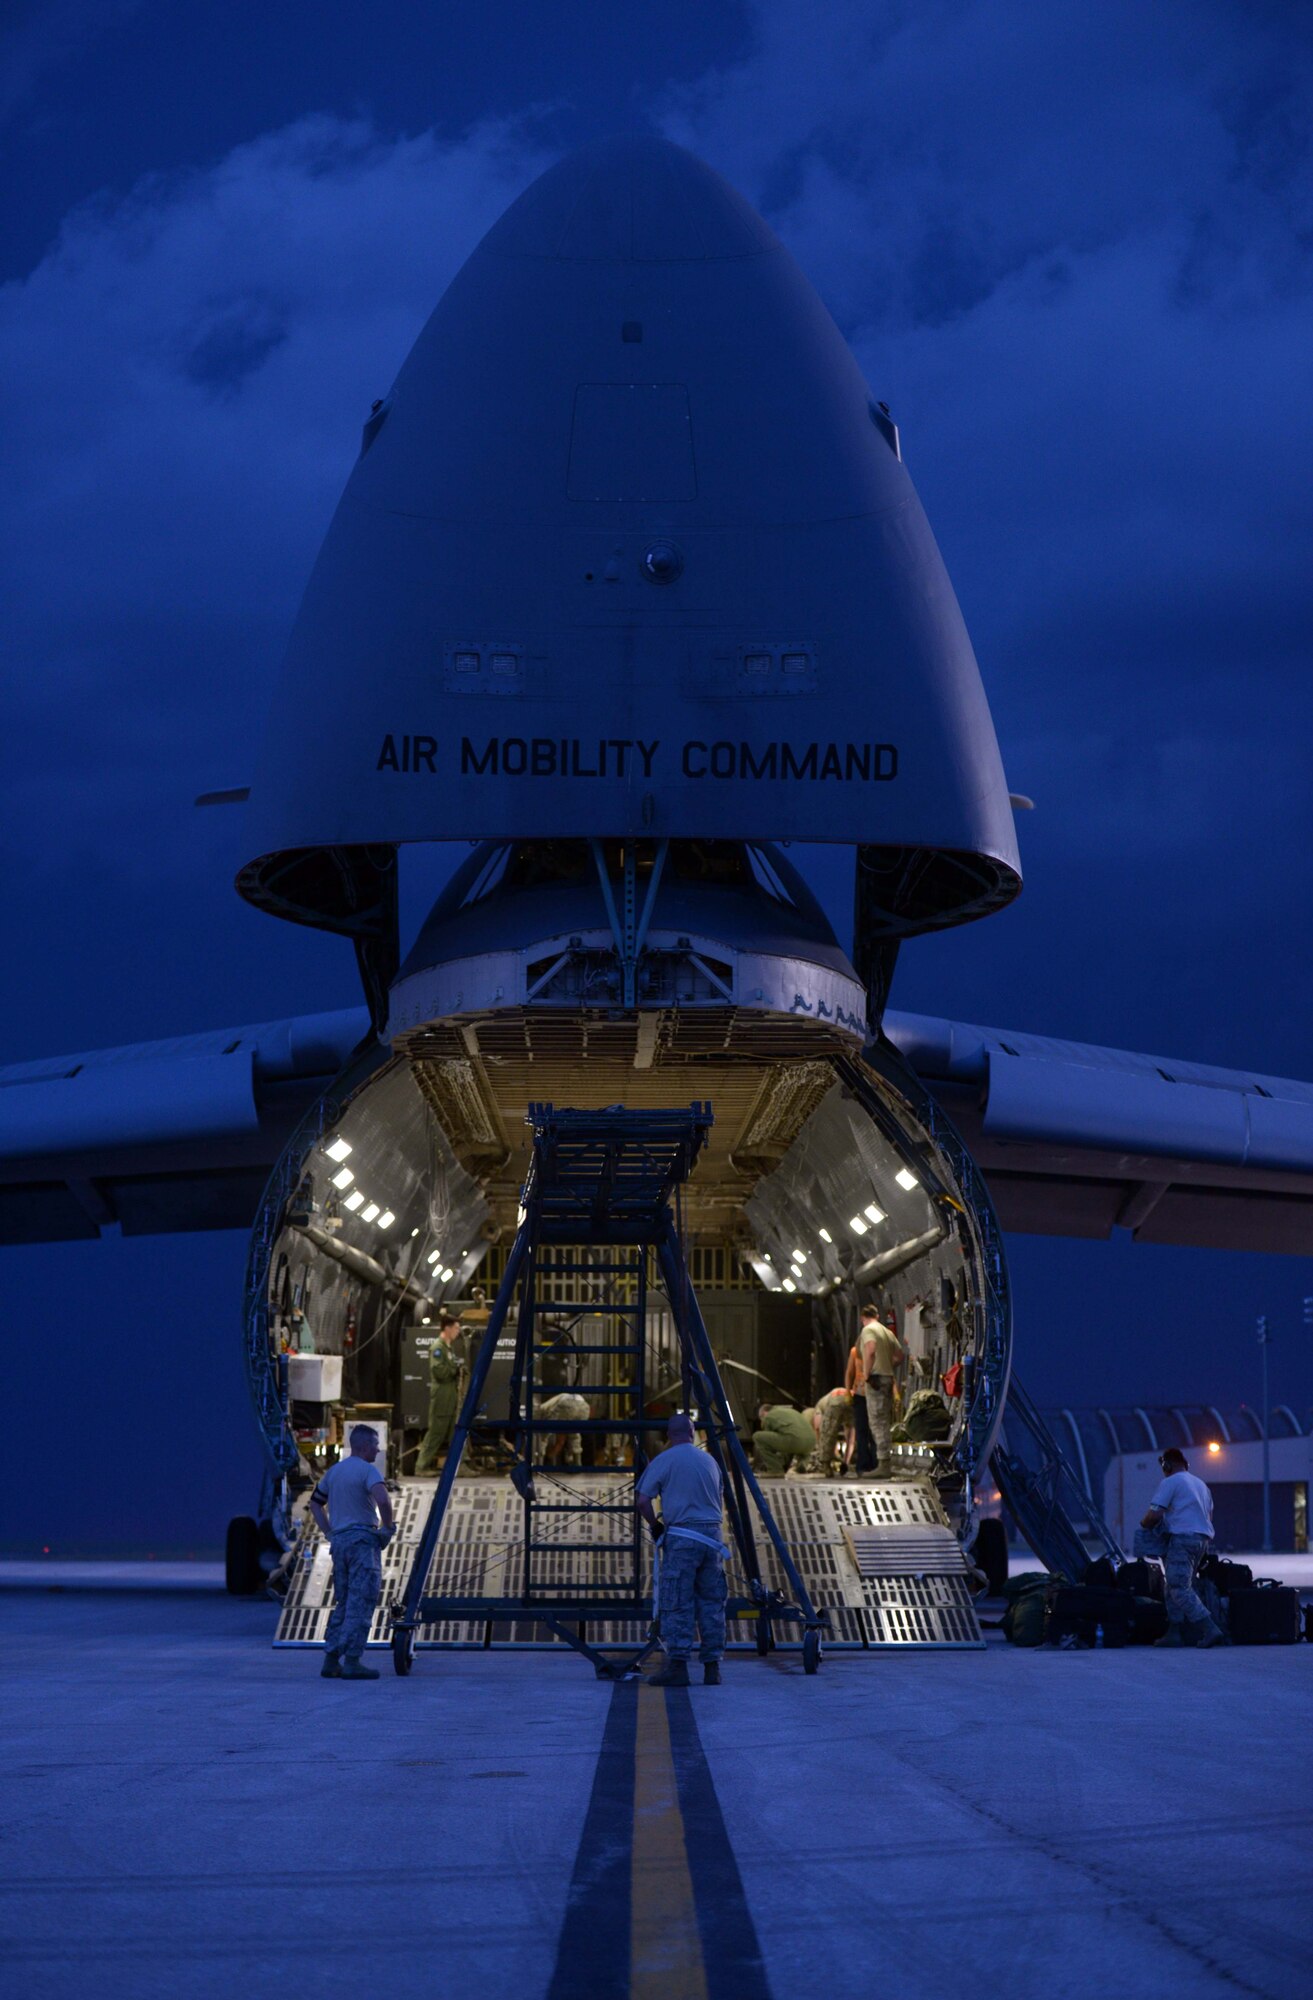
[
  {"x": 332, "y": 1667},
  {"x": 711, "y": 1673},
  {"x": 673, "y": 1675},
  {"x": 352, "y": 1669},
  {"x": 1171, "y": 1637}
]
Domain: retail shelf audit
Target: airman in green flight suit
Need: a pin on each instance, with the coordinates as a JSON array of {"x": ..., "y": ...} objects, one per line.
[{"x": 445, "y": 1371}]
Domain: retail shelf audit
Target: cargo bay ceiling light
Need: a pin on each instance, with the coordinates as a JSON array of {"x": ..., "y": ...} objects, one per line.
[
  {"x": 355, "y": 1201},
  {"x": 344, "y": 1179},
  {"x": 339, "y": 1149},
  {"x": 789, "y": 1285},
  {"x": 368, "y": 1213},
  {"x": 386, "y": 1220},
  {"x": 857, "y": 1223},
  {"x": 906, "y": 1179},
  {"x": 825, "y": 1236},
  {"x": 873, "y": 1214}
]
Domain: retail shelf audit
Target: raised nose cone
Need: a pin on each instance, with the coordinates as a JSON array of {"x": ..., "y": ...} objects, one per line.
[
  {"x": 631, "y": 201},
  {"x": 630, "y": 549}
]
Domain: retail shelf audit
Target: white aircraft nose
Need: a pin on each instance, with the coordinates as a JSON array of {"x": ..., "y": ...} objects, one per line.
[
  {"x": 632, "y": 200},
  {"x": 629, "y": 550}
]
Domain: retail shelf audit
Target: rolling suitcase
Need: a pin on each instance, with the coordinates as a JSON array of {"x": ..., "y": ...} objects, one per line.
[
  {"x": 1142, "y": 1578},
  {"x": 1267, "y": 1615},
  {"x": 1078, "y": 1611}
]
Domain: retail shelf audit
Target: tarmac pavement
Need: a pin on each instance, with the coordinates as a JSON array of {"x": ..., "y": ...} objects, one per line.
[{"x": 186, "y": 1810}]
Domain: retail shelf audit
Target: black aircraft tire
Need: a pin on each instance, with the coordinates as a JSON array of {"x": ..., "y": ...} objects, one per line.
[
  {"x": 403, "y": 1652},
  {"x": 811, "y": 1652},
  {"x": 991, "y": 1554},
  {"x": 242, "y": 1571}
]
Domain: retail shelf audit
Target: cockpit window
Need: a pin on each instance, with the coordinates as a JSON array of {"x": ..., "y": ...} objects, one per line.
[
  {"x": 486, "y": 878},
  {"x": 544, "y": 864},
  {"x": 767, "y": 878}
]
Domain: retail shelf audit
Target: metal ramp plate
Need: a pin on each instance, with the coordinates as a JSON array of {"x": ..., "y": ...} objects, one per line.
[{"x": 879, "y": 1556}]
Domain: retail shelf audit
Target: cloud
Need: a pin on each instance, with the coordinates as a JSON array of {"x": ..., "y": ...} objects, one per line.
[
  {"x": 1071, "y": 247},
  {"x": 183, "y": 380},
  {"x": 39, "y": 36}
]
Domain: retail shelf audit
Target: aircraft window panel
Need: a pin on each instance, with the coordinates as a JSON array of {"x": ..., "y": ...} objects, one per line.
[
  {"x": 766, "y": 878},
  {"x": 487, "y": 878}
]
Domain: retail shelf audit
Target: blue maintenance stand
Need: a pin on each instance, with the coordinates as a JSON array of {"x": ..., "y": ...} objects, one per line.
[{"x": 612, "y": 1178}]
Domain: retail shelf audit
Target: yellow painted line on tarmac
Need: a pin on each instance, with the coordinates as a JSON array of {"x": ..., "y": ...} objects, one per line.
[{"x": 665, "y": 1946}]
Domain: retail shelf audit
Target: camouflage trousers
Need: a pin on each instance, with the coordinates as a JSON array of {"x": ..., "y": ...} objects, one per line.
[
  {"x": 692, "y": 1594},
  {"x": 1184, "y": 1604},
  {"x": 880, "y": 1415},
  {"x": 357, "y": 1584},
  {"x": 835, "y": 1418},
  {"x": 565, "y": 1444}
]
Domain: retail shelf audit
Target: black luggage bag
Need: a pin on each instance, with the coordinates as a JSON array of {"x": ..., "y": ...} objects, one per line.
[
  {"x": 1148, "y": 1620},
  {"x": 1079, "y": 1610},
  {"x": 1267, "y": 1615},
  {"x": 1142, "y": 1578},
  {"x": 1228, "y": 1576},
  {"x": 1101, "y": 1574}
]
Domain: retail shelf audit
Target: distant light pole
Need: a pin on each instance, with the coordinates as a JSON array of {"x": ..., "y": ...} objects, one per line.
[{"x": 1263, "y": 1339}]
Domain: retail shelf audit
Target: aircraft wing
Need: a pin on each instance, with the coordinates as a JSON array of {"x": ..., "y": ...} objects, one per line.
[
  {"x": 1076, "y": 1140},
  {"x": 160, "y": 1136}
]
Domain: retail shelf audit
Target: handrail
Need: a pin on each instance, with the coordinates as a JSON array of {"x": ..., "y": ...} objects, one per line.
[{"x": 1043, "y": 1494}]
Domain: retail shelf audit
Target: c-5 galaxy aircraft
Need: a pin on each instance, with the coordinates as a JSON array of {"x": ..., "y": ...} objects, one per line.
[{"x": 630, "y": 588}]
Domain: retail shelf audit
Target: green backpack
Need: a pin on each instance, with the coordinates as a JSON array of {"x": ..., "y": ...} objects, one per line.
[
  {"x": 1029, "y": 1597},
  {"x": 927, "y": 1420}
]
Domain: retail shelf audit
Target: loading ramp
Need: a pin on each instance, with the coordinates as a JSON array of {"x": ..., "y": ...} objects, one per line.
[{"x": 879, "y": 1556}]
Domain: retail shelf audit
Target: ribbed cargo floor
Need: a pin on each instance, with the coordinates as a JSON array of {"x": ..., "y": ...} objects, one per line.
[{"x": 879, "y": 1555}]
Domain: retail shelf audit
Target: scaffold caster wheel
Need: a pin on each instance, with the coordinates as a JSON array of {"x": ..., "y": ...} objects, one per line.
[
  {"x": 403, "y": 1651},
  {"x": 811, "y": 1652}
]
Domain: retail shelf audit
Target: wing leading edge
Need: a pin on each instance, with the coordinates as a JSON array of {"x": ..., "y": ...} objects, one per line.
[
  {"x": 1077, "y": 1140},
  {"x": 160, "y": 1136}
]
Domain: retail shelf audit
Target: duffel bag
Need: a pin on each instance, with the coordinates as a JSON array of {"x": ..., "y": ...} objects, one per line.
[
  {"x": 1101, "y": 1573},
  {"x": 1082, "y": 1612},
  {"x": 1148, "y": 1620},
  {"x": 1228, "y": 1576},
  {"x": 1028, "y": 1600},
  {"x": 1142, "y": 1578}
]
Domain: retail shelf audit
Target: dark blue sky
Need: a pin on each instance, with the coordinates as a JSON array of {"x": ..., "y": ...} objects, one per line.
[{"x": 1071, "y": 247}]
